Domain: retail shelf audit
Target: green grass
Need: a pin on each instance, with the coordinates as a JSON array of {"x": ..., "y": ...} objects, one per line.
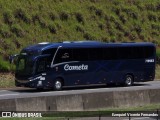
[
  {"x": 158, "y": 52},
  {"x": 138, "y": 108},
  {"x": 151, "y": 107},
  {"x": 157, "y": 76},
  {"x": 23, "y": 23},
  {"x": 7, "y": 80}
]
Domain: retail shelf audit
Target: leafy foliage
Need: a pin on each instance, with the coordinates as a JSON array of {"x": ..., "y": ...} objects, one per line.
[{"x": 28, "y": 22}]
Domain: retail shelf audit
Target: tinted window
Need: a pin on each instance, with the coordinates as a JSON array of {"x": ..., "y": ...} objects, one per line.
[
  {"x": 41, "y": 65},
  {"x": 137, "y": 52},
  {"x": 95, "y": 54},
  {"x": 110, "y": 53},
  {"x": 63, "y": 55},
  {"x": 142, "y": 52},
  {"x": 51, "y": 52},
  {"x": 124, "y": 52},
  {"x": 148, "y": 52},
  {"x": 80, "y": 54},
  {"x": 127, "y": 53}
]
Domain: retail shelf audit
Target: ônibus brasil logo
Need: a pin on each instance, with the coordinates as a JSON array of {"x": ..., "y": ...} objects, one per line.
[{"x": 76, "y": 67}]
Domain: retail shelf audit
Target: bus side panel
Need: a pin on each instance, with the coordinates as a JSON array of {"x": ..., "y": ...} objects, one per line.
[
  {"x": 75, "y": 73},
  {"x": 118, "y": 69},
  {"x": 98, "y": 72}
]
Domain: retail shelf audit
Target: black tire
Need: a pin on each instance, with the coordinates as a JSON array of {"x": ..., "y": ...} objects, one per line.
[
  {"x": 58, "y": 84},
  {"x": 128, "y": 80}
]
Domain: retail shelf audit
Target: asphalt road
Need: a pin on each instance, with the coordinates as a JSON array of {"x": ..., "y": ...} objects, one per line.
[{"x": 28, "y": 92}]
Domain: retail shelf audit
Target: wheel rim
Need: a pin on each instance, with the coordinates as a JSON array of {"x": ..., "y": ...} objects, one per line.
[
  {"x": 58, "y": 85},
  {"x": 128, "y": 81}
]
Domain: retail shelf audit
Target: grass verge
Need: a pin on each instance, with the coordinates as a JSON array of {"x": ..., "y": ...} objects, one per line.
[
  {"x": 157, "y": 76},
  {"x": 7, "y": 80},
  {"x": 106, "y": 112}
]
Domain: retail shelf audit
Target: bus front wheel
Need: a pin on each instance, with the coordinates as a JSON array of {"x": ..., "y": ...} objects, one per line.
[
  {"x": 128, "y": 80},
  {"x": 58, "y": 84}
]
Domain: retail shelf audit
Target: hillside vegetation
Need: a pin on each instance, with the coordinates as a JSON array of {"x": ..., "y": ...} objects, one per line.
[{"x": 25, "y": 22}]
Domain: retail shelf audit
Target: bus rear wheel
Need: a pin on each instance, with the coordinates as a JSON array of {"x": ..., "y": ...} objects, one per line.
[
  {"x": 128, "y": 80},
  {"x": 58, "y": 84}
]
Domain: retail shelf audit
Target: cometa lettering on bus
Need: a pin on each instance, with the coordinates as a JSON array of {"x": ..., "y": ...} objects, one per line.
[{"x": 80, "y": 67}]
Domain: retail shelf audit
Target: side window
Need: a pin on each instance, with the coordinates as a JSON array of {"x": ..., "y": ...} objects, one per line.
[
  {"x": 138, "y": 52},
  {"x": 110, "y": 53},
  {"x": 95, "y": 54},
  {"x": 124, "y": 52},
  {"x": 80, "y": 54},
  {"x": 149, "y": 52},
  {"x": 41, "y": 65},
  {"x": 50, "y": 51},
  {"x": 63, "y": 55},
  {"x": 106, "y": 54}
]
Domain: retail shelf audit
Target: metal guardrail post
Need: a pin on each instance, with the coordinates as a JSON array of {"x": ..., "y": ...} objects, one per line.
[
  {"x": 157, "y": 114},
  {"x": 99, "y": 117},
  {"x": 129, "y": 117}
]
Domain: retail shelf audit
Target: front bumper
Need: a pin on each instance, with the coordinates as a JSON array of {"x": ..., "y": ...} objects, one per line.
[{"x": 30, "y": 84}]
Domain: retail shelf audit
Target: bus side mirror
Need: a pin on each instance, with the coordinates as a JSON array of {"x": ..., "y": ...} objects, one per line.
[{"x": 12, "y": 58}]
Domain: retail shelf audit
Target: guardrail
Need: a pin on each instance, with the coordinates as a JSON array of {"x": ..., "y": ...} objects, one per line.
[{"x": 83, "y": 101}]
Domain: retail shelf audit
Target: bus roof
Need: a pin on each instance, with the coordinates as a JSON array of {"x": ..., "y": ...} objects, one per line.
[{"x": 81, "y": 44}]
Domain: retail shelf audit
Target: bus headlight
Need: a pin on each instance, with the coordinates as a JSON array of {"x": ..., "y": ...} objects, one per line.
[
  {"x": 39, "y": 77},
  {"x": 42, "y": 78}
]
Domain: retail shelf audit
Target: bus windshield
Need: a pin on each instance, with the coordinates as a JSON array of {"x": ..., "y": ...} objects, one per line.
[{"x": 24, "y": 66}]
